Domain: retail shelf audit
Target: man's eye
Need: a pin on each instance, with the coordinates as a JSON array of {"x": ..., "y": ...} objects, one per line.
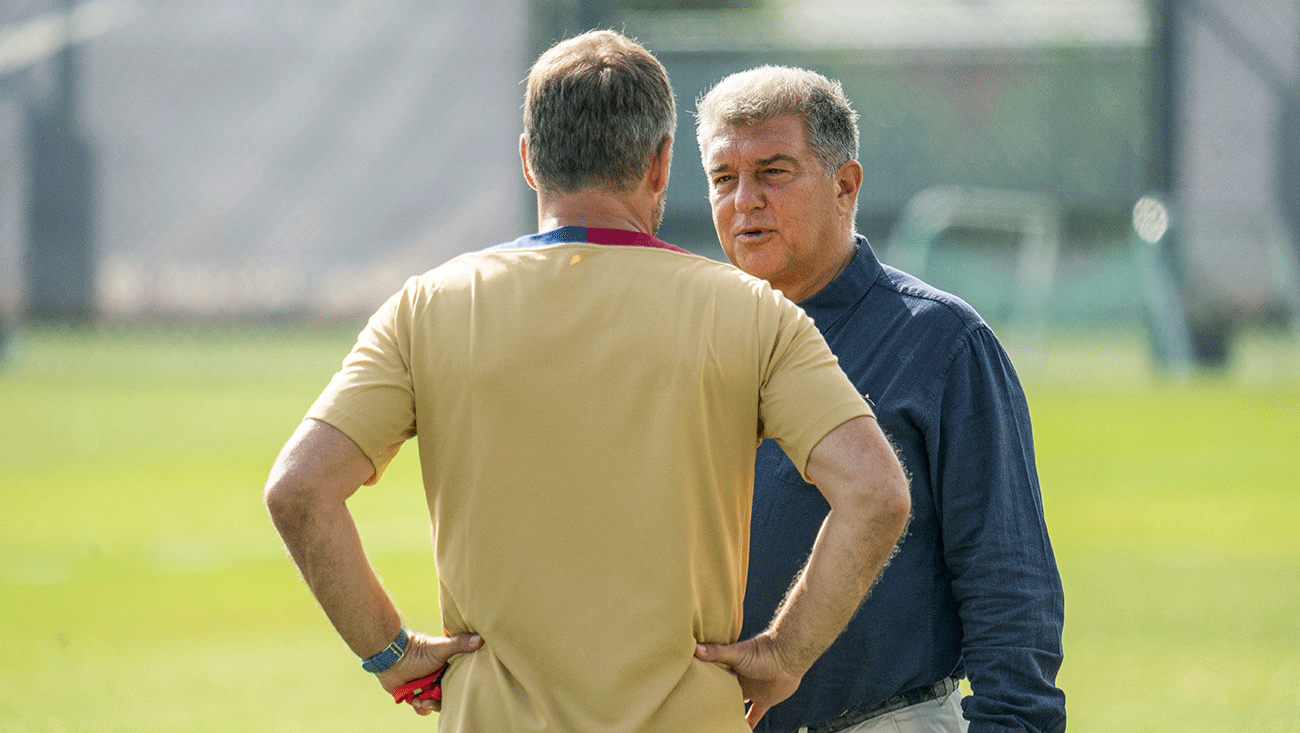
[{"x": 721, "y": 180}]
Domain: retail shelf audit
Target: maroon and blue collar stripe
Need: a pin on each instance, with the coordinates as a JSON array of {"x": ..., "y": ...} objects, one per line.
[{"x": 594, "y": 235}]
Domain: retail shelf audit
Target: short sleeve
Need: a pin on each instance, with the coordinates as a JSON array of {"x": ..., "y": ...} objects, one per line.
[
  {"x": 805, "y": 394},
  {"x": 371, "y": 398}
]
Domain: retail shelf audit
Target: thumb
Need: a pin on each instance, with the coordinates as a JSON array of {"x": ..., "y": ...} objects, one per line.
[
  {"x": 459, "y": 644},
  {"x": 727, "y": 654}
]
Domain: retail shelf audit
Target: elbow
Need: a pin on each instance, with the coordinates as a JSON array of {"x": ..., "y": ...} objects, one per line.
[
  {"x": 893, "y": 490},
  {"x": 275, "y": 498},
  {"x": 286, "y": 502},
  {"x": 277, "y": 495},
  {"x": 889, "y": 496},
  {"x": 896, "y": 501},
  {"x": 882, "y": 501}
]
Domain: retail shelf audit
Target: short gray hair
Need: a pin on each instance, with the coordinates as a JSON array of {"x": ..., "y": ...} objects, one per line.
[
  {"x": 596, "y": 109},
  {"x": 761, "y": 94}
]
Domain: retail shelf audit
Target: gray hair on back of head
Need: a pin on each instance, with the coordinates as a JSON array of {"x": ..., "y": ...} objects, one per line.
[
  {"x": 752, "y": 97},
  {"x": 596, "y": 109}
]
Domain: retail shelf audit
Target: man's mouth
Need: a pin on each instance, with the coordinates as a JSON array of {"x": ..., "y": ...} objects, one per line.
[{"x": 751, "y": 234}]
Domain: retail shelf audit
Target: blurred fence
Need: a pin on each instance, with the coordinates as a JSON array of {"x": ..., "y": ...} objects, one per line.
[
  {"x": 253, "y": 158},
  {"x": 303, "y": 157}
]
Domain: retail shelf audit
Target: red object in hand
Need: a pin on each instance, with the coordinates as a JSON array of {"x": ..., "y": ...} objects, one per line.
[{"x": 425, "y": 688}]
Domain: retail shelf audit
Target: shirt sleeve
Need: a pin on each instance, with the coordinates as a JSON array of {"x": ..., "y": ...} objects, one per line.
[
  {"x": 996, "y": 545},
  {"x": 805, "y": 394},
  {"x": 371, "y": 398}
]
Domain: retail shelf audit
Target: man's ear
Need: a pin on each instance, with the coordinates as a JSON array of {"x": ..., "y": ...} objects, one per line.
[
  {"x": 660, "y": 166},
  {"x": 523, "y": 158},
  {"x": 848, "y": 181}
]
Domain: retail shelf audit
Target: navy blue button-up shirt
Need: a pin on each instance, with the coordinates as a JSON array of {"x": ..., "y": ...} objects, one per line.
[{"x": 974, "y": 589}]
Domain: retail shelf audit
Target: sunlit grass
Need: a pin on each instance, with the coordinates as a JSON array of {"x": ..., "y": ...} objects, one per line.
[
  {"x": 142, "y": 587},
  {"x": 1173, "y": 509}
]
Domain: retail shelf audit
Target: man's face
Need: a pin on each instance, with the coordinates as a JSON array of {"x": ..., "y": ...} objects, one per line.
[{"x": 776, "y": 211}]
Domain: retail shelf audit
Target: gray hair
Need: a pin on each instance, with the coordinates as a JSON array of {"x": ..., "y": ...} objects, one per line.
[
  {"x": 596, "y": 109},
  {"x": 761, "y": 94}
]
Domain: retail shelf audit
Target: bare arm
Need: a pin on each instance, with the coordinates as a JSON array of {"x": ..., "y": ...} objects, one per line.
[
  {"x": 318, "y": 470},
  {"x": 856, "y": 470}
]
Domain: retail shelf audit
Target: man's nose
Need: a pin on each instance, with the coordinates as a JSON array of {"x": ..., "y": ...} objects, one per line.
[{"x": 749, "y": 195}]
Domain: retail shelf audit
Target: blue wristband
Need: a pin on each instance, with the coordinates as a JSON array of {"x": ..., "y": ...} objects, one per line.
[{"x": 391, "y": 654}]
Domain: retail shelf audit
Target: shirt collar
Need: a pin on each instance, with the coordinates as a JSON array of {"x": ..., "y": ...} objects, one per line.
[
  {"x": 596, "y": 235},
  {"x": 850, "y": 286}
]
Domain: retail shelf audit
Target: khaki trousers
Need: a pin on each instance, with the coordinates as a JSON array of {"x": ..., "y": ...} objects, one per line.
[{"x": 933, "y": 716}]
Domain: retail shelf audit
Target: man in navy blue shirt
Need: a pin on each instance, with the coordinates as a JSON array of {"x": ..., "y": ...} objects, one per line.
[{"x": 973, "y": 589}]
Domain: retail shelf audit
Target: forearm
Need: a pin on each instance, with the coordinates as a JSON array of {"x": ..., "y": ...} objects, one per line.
[
  {"x": 850, "y": 550},
  {"x": 1012, "y": 611},
  {"x": 856, "y": 470},
  {"x": 318, "y": 470},
  {"x": 1014, "y": 690},
  {"x": 324, "y": 543}
]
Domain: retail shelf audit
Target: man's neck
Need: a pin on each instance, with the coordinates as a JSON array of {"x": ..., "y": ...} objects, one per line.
[
  {"x": 799, "y": 292},
  {"x": 591, "y": 208}
]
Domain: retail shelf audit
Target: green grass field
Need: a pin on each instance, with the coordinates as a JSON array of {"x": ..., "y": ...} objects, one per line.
[{"x": 142, "y": 587}]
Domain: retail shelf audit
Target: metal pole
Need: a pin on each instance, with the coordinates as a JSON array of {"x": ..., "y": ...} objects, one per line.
[{"x": 61, "y": 258}]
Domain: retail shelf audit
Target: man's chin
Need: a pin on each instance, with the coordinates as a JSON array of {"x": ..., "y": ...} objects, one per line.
[{"x": 758, "y": 263}]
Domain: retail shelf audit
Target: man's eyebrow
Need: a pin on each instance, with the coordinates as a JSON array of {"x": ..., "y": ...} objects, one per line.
[{"x": 778, "y": 158}]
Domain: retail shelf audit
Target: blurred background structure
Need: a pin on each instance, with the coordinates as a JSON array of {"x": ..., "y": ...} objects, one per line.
[{"x": 240, "y": 160}]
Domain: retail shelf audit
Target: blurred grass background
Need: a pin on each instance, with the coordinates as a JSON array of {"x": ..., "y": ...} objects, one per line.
[{"x": 142, "y": 587}]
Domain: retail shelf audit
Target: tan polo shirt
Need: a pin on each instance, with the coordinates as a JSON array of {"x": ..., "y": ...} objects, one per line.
[{"x": 587, "y": 417}]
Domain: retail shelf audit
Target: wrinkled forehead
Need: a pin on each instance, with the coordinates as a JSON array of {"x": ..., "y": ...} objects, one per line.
[{"x": 737, "y": 146}]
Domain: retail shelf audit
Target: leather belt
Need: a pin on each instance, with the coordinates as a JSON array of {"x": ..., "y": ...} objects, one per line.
[{"x": 914, "y": 696}]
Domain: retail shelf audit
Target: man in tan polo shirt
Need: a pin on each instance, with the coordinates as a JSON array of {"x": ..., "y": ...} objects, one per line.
[{"x": 588, "y": 400}]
